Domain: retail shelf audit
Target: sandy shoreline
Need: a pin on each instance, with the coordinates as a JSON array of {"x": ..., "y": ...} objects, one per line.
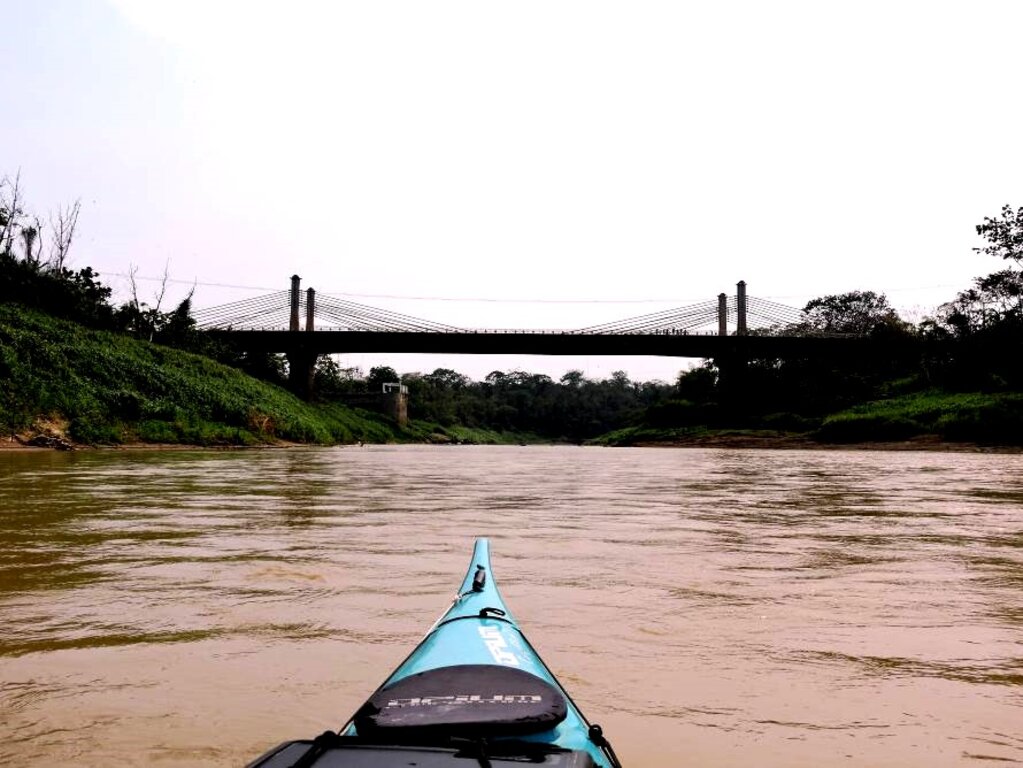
[
  {"x": 789, "y": 442},
  {"x": 14, "y": 445},
  {"x": 733, "y": 442}
]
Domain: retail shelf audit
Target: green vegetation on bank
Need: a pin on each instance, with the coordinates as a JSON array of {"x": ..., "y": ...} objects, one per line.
[
  {"x": 982, "y": 418},
  {"x": 974, "y": 417},
  {"x": 110, "y": 388},
  {"x": 74, "y": 364}
]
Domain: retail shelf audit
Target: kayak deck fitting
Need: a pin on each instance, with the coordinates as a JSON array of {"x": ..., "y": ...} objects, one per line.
[{"x": 473, "y": 692}]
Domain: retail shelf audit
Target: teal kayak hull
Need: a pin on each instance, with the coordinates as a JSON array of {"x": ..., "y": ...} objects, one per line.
[{"x": 475, "y": 680}]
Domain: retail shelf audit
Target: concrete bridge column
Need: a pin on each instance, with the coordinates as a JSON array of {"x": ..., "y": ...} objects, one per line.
[
  {"x": 301, "y": 371},
  {"x": 732, "y": 381},
  {"x": 310, "y": 309},
  {"x": 296, "y": 281},
  {"x": 740, "y": 300},
  {"x": 395, "y": 404},
  {"x": 722, "y": 315}
]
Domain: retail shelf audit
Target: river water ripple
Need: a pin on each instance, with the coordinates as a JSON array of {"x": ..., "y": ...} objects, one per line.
[{"x": 708, "y": 607}]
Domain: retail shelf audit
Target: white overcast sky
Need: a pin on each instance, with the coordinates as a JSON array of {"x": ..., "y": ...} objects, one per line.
[{"x": 569, "y": 162}]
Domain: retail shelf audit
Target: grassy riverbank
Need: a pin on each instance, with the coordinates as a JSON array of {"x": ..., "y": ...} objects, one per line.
[
  {"x": 96, "y": 387},
  {"x": 923, "y": 419}
]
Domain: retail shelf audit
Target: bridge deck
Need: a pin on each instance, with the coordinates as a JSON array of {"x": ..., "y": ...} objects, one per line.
[{"x": 550, "y": 343}]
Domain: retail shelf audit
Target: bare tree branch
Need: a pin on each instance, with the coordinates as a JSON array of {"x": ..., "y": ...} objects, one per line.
[
  {"x": 163, "y": 285},
  {"x": 63, "y": 233},
  {"x": 132, "y": 271},
  {"x": 11, "y": 212}
]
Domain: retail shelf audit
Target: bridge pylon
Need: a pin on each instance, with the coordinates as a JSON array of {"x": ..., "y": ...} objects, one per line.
[
  {"x": 301, "y": 362},
  {"x": 740, "y": 308},
  {"x": 296, "y": 283}
]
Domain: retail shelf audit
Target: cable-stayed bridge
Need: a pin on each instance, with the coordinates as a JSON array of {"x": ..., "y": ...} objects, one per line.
[
  {"x": 306, "y": 310},
  {"x": 304, "y": 325}
]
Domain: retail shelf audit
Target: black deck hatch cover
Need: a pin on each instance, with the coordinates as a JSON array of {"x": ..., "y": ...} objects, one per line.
[{"x": 464, "y": 700}]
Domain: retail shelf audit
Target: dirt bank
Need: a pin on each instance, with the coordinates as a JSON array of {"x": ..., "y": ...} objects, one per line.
[{"x": 802, "y": 442}]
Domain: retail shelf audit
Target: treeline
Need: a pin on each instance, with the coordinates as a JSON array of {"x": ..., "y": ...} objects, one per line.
[{"x": 574, "y": 408}]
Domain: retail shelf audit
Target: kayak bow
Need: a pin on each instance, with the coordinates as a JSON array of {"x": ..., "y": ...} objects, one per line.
[{"x": 473, "y": 688}]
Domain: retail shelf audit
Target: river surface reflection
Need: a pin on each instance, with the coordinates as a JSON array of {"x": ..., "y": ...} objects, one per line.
[{"x": 707, "y": 607}]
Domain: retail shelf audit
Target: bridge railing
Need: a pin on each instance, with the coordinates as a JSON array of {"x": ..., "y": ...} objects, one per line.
[{"x": 482, "y": 331}]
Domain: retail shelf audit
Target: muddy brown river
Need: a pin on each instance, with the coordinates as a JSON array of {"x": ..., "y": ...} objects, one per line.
[{"x": 707, "y": 607}]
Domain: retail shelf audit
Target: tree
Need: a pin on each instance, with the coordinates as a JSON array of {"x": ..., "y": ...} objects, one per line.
[
  {"x": 177, "y": 328},
  {"x": 10, "y": 211},
  {"x": 620, "y": 380},
  {"x": 46, "y": 285},
  {"x": 992, "y": 299},
  {"x": 31, "y": 242},
  {"x": 446, "y": 378},
  {"x": 496, "y": 379},
  {"x": 855, "y": 312},
  {"x": 150, "y": 322},
  {"x": 1004, "y": 235},
  {"x": 573, "y": 379},
  {"x": 63, "y": 229},
  {"x": 698, "y": 385},
  {"x": 976, "y": 340},
  {"x": 332, "y": 381},
  {"x": 267, "y": 366},
  {"x": 380, "y": 375},
  {"x": 15, "y": 223}
]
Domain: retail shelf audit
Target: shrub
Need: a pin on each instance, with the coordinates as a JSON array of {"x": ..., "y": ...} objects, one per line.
[
  {"x": 994, "y": 423},
  {"x": 869, "y": 427},
  {"x": 790, "y": 422}
]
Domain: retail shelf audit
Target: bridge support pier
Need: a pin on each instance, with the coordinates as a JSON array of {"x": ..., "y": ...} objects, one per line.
[
  {"x": 395, "y": 405},
  {"x": 301, "y": 372},
  {"x": 732, "y": 381}
]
